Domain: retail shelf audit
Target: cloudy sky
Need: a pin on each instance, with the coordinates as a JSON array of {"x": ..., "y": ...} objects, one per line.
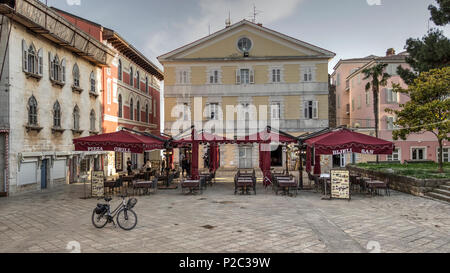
[{"x": 350, "y": 28}]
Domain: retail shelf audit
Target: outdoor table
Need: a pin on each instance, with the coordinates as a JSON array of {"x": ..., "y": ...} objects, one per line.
[
  {"x": 128, "y": 179},
  {"x": 244, "y": 183},
  {"x": 145, "y": 185},
  {"x": 287, "y": 184},
  {"x": 192, "y": 185},
  {"x": 375, "y": 185},
  {"x": 109, "y": 185}
]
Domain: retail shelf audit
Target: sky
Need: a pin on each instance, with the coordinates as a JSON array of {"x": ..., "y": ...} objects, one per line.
[{"x": 350, "y": 28}]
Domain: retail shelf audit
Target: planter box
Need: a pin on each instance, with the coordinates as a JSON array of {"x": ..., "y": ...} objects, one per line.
[{"x": 410, "y": 185}]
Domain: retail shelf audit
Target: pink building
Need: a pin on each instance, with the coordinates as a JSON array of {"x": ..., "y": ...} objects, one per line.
[{"x": 354, "y": 107}]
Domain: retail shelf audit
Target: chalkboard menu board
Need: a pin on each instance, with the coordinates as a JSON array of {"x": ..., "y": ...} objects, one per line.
[
  {"x": 340, "y": 184},
  {"x": 98, "y": 187}
]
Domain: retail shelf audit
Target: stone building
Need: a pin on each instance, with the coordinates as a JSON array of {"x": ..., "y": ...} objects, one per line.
[
  {"x": 266, "y": 77},
  {"x": 50, "y": 92},
  {"x": 132, "y": 91}
]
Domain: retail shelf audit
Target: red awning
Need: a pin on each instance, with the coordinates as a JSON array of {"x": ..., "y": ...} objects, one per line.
[
  {"x": 345, "y": 141},
  {"x": 121, "y": 141},
  {"x": 266, "y": 137},
  {"x": 201, "y": 138}
]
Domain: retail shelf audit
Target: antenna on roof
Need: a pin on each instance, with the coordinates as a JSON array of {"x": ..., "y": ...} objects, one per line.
[
  {"x": 255, "y": 13},
  {"x": 228, "y": 20}
]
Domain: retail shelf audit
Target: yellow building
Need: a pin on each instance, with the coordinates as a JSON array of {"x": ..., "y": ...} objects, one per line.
[{"x": 241, "y": 79}]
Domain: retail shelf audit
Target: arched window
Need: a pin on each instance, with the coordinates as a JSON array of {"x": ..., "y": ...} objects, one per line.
[
  {"x": 131, "y": 110},
  {"x": 32, "y": 111},
  {"x": 138, "y": 111},
  {"x": 146, "y": 85},
  {"x": 55, "y": 69},
  {"x": 92, "y": 120},
  {"x": 120, "y": 70},
  {"x": 131, "y": 76},
  {"x": 146, "y": 113},
  {"x": 120, "y": 114},
  {"x": 76, "y": 76},
  {"x": 138, "y": 80},
  {"x": 32, "y": 60},
  {"x": 56, "y": 115},
  {"x": 76, "y": 118},
  {"x": 92, "y": 78}
]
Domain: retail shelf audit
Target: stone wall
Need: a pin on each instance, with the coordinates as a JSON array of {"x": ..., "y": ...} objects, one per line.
[{"x": 411, "y": 185}]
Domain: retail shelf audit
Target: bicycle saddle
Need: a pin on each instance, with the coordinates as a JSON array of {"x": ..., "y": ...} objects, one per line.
[{"x": 107, "y": 199}]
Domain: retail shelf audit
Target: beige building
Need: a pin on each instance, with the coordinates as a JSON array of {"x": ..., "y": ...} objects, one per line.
[{"x": 241, "y": 79}]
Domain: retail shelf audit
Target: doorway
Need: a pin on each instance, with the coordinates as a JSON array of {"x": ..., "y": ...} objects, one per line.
[
  {"x": 339, "y": 161},
  {"x": 44, "y": 174},
  {"x": 277, "y": 156},
  {"x": 245, "y": 157}
]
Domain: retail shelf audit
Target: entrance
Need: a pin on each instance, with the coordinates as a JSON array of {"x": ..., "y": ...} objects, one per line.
[
  {"x": 44, "y": 174},
  {"x": 339, "y": 161},
  {"x": 2, "y": 163},
  {"x": 277, "y": 156},
  {"x": 245, "y": 157}
]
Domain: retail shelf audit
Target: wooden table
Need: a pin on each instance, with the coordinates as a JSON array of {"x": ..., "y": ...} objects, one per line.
[
  {"x": 286, "y": 183},
  {"x": 375, "y": 185},
  {"x": 192, "y": 185},
  {"x": 244, "y": 183}
]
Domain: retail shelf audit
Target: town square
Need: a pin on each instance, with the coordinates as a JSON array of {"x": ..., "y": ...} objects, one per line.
[{"x": 231, "y": 127}]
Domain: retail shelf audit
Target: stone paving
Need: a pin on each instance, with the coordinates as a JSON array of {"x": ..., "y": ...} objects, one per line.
[{"x": 173, "y": 223}]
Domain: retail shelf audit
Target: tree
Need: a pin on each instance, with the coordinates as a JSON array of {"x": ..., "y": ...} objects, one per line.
[
  {"x": 428, "y": 110},
  {"x": 440, "y": 15},
  {"x": 430, "y": 52},
  {"x": 377, "y": 78}
]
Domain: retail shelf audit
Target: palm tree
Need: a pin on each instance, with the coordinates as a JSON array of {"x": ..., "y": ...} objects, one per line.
[{"x": 378, "y": 77}]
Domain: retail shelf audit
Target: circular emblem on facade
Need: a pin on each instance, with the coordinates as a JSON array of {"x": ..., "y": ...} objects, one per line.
[{"x": 244, "y": 44}]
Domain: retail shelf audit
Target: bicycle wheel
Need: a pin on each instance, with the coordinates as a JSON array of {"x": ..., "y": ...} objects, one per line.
[
  {"x": 99, "y": 220},
  {"x": 127, "y": 219}
]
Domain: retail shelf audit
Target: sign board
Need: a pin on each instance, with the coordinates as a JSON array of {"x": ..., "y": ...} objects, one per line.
[
  {"x": 340, "y": 184},
  {"x": 97, "y": 187}
]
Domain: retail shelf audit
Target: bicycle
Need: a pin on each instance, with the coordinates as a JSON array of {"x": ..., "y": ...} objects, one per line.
[{"x": 126, "y": 217}]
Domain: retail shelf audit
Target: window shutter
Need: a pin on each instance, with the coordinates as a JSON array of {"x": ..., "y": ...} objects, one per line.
[
  {"x": 315, "y": 110},
  {"x": 24, "y": 56},
  {"x": 305, "y": 109},
  {"x": 51, "y": 67},
  {"x": 63, "y": 70},
  {"x": 41, "y": 62},
  {"x": 238, "y": 76},
  {"x": 252, "y": 76},
  {"x": 386, "y": 93}
]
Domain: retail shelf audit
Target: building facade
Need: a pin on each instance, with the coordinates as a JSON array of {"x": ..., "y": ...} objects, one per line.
[
  {"x": 50, "y": 93},
  {"x": 355, "y": 108},
  {"x": 132, "y": 86},
  {"x": 241, "y": 79}
]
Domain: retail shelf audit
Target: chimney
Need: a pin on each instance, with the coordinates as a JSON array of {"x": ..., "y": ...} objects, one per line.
[{"x": 390, "y": 52}]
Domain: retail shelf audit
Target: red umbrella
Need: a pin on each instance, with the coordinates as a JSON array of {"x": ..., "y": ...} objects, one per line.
[
  {"x": 266, "y": 137},
  {"x": 121, "y": 141}
]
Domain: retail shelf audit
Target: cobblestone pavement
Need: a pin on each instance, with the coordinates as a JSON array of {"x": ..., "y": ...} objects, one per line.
[{"x": 219, "y": 221}]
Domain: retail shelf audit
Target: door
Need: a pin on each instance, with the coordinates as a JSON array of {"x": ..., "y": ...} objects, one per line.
[
  {"x": 245, "y": 157},
  {"x": 44, "y": 174},
  {"x": 2, "y": 163}
]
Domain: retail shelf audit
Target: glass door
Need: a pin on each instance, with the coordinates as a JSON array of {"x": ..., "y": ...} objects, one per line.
[{"x": 245, "y": 157}]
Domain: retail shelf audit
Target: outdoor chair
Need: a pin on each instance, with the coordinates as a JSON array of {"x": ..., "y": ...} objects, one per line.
[
  {"x": 287, "y": 184},
  {"x": 194, "y": 186}
]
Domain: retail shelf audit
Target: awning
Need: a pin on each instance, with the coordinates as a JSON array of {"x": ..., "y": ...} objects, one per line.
[
  {"x": 121, "y": 141},
  {"x": 201, "y": 138},
  {"x": 345, "y": 141},
  {"x": 266, "y": 137}
]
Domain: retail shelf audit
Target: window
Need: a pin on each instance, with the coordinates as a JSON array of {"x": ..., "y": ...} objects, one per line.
[
  {"x": 390, "y": 123},
  {"x": 76, "y": 76},
  {"x": 32, "y": 59},
  {"x": 214, "y": 77},
  {"x": 120, "y": 71},
  {"x": 56, "y": 115},
  {"x": 183, "y": 77},
  {"x": 76, "y": 118},
  {"x": 338, "y": 79},
  {"x": 120, "y": 113},
  {"x": 57, "y": 69},
  {"x": 244, "y": 76},
  {"x": 131, "y": 110},
  {"x": 275, "y": 110},
  {"x": 92, "y": 120},
  {"x": 308, "y": 74},
  {"x": 446, "y": 154},
  {"x": 244, "y": 44},
  {"x": 418, "y": 153},
  {"x": 276, "y": 75},
  {"x": 391, "y": 96},
  {"x": 138, "y": 80},
  {"x": 391, "y": 69},
  {"x": 32, "y": 111},
  {"x": 146, "y": 113},
  {"x": 338, "y": 97},
  {"x": 395, "y": 156},
  {"x": 146, "y": 85},
  {"x": 186, "y": 111},
  {"x": 138, "y": 111},
  {"x": 367, "y": 97},
  {"x": 214, "y": 111},
  {"x": 311, "y": 109},
  {"x": 131, "y": 76},
  {"x": 92, "y": 80}
]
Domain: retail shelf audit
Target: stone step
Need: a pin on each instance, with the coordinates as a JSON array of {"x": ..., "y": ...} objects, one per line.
[
  {"x": 438, "y": 196},
  {"x": 445, "y": 187},
  {"x": 443, "y": 192}
]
